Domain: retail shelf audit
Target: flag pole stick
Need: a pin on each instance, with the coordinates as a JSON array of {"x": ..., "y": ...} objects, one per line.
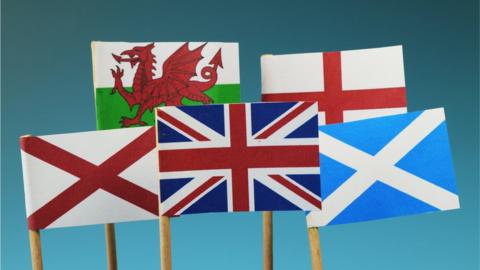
[
  {"x": 35, "y": 249},
  {"x": 165, "y": 244},
  {"x": 35, "y": 243},
  {"x": 315, "y": 253},
  {"x": 267, "y": 241},
  {"x": 267, "y": 233},
  {"x": 111, "y": 247}
]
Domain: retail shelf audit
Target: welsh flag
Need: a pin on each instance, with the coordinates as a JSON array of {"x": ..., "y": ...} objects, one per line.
[{"x": 130, "y": 79}]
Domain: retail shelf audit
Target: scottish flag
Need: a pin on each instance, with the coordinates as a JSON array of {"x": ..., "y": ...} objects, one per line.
[{"x": 385, "y": 167}]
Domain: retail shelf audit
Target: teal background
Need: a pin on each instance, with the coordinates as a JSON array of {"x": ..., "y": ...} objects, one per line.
[{"x": 47, "y": 88}]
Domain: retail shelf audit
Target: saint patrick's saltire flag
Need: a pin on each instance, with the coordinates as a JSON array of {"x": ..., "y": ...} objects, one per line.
[
  {"x": 131, "y": 79},
  {"x": 238, "y": 157},
  {"x": 89, "y": 178},
  {"x": 348, "y": 85},
  {"x": 385, "y": 167}
]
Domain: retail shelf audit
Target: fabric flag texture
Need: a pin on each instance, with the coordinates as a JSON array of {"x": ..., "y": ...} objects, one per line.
[
  {"x": 130, "y": 79},
  {"x": 238, "y": 157},
  {"x": 90, "y": 177},
  {"x": 348, "y": 85},
  {"x": 385, "y": 167}
]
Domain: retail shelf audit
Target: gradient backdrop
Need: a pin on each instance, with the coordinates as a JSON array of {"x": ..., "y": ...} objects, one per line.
[{"x": 47, "y": 88}]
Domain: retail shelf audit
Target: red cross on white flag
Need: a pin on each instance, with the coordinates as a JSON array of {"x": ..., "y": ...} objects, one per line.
[{"x": 348, "y": 85}]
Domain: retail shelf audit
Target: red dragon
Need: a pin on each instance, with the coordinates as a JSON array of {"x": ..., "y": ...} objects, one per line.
[{"x": 176, "y": 81}]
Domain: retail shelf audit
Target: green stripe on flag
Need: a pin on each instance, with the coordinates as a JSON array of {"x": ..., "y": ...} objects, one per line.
[{"x": 111, "y": 108}]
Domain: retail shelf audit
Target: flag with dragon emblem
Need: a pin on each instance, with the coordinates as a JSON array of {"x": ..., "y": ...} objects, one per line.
[{"x": 130, "y": 79}]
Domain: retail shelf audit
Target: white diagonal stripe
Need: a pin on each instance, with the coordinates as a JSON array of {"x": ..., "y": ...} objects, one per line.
[
  {"x": 413, "y": 134},
  {"x": 381, "y": 167},
  {"x": 278, "y": 137},
  {"x": 179, "y": 212},
  {"x": 265, "y": 173},
  {"x": 296, "y": 122},
  {"x": 292, "y": 124},
  {"x": 192, "y": 123},
  {"x": 286, "y": 193},
  {"x": 201, "y": 177},
  {"x": 419, "y": 188},
  {"x": 348, "y": 192},
  {"x": 249, "y": 114}
]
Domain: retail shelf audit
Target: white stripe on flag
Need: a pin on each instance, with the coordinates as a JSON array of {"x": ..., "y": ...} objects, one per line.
[{"x": 381, "y": 167}]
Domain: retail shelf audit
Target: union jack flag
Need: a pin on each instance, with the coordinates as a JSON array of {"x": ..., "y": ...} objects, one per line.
[{"x": 238, "y": 157}]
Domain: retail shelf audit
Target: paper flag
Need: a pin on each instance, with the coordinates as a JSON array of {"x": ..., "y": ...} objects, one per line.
[
  {"x": 90, "y": 177},
  {"x": 238, "y": 157},
  {"x": 385, "y": 167},
  {"x": 130, "y": 79},
  {"x": 348, "y": 85}
]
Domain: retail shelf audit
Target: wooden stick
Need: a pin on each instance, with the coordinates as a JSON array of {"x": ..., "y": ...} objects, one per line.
[
  {"x": 35, "y": 249},
  {"x": 267, "y": 241},
  {"x": 165, "y": 244},
  {"x": 111, "y": 247},
  {"x": 267, "y": 231},
  {"x": 314, "y": 240}
]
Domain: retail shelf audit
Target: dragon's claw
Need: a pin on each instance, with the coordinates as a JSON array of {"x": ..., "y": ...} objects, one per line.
[
  {"x": 208, "y": 100},
  {"x": 127, "y": 122},
  {"x": 117, "y": 73}
]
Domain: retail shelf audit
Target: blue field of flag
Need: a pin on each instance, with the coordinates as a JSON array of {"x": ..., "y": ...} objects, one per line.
[{"x": 385, "y": 167}]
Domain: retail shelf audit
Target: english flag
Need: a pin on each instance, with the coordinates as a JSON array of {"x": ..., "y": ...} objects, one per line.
[
  {"x": 238, "y": 157},
  {"x": 385, "y": 167},
  {"x": 90, "y": 177},
  {"x": 348, "y": 85}
]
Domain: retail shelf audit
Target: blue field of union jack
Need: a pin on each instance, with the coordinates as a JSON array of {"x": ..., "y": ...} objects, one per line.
[{"x": 238, "y": 157}]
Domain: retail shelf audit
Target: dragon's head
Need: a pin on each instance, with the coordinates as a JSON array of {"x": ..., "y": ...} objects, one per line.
[{"x": 135, "y": 55}]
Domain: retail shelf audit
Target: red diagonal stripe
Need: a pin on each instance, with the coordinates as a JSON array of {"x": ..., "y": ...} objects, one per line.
[
  {"x": 194, "y": 194},
  {"x": 92, "y": 177},
  {"x": 284, "y": 182},
  {"x": 130, "y": 153},
  {"x": 133, "y": 194},
  {"x": 61, "y": 204},
  {"x": 283, "y": 121},
  {"x": 181, "y": 126},
  {"x": 55, "y": 155}
]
